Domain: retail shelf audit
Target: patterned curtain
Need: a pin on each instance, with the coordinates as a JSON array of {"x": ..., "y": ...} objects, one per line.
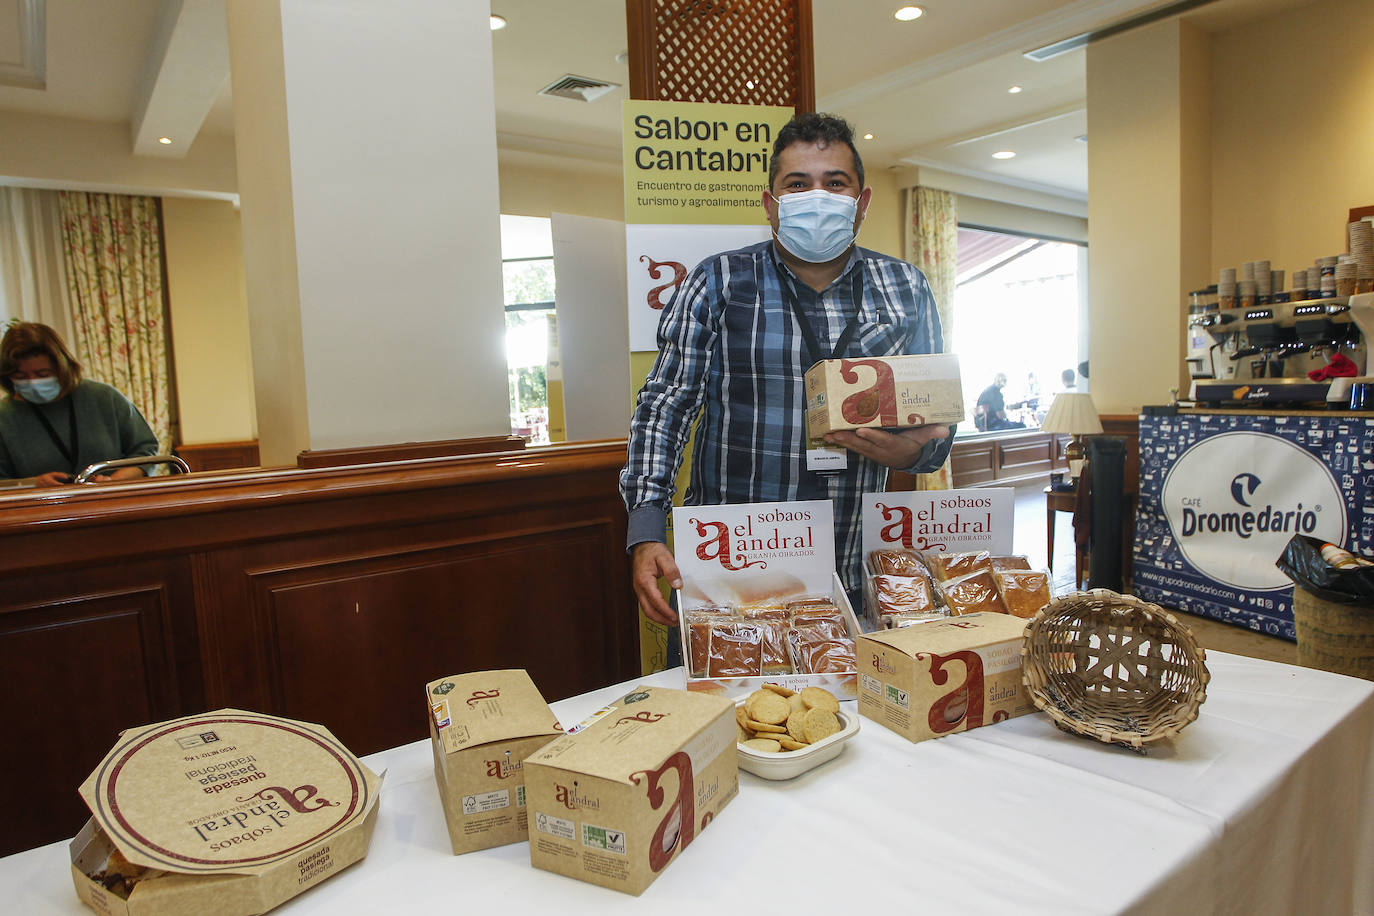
[
  {"x": 932, "y": 243},
  {"x": 112, "y": 248}
]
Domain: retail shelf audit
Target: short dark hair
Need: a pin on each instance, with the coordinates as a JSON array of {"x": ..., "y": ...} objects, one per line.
[
  {"x": 820, "y": 129},
  {"x": 29, "y": 338}
]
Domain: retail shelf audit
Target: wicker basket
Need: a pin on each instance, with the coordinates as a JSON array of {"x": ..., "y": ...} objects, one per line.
[
  {"x": 1114, "y": 668},
  {"x": 1334, "y": 637}
]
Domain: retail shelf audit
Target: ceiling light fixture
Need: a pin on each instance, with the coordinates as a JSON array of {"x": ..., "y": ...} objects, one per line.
[
  {"x": 1014, "y": 89},
  {"x": 497, "y": 22},
  {"x": 1004, "y": 154},
  {"x": 748, "y": 84},
  {"x": 908, "y": 13},
  {"x": 165, "y": 141},
  {"x": 868, "y": 136}
]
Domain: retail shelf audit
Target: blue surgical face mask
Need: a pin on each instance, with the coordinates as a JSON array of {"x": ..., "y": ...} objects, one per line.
[
  {"x": 38, "y": 390},
  {"x": 816, "y": 226}
]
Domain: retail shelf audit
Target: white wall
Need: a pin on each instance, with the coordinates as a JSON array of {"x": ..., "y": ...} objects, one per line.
[{"x": 397, "y": 219}]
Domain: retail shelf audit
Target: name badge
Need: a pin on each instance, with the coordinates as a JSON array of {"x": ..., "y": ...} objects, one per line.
[{"x": 827, "y": 459}]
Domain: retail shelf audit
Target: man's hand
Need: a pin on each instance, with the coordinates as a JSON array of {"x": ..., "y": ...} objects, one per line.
[
  {"x": 652, "y": 561},
  {"x": 52, "y": 479},
  {"x": 894, "y": 450}
]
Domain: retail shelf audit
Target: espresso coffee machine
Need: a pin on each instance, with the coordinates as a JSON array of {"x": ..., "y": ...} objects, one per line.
[{"x": 1261, "y": 356}]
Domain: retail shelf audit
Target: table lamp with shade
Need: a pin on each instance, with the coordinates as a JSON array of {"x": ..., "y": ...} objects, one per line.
[{"x": 1073, "y": 413}]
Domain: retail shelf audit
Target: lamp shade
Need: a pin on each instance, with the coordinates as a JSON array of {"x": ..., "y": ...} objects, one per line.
[{"x": 1072, "y": 413}]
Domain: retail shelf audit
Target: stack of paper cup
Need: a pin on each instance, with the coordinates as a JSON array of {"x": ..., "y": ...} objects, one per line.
[
  {"x": 1247, "y": 294},
  {"x": 1226, "y": 288},
  {"x": 1300, "y": 284},
  {"x": 1263, "y": 289},
  {"x": 1345, "y": 276},
  {"x": 1362, "y": 250}
]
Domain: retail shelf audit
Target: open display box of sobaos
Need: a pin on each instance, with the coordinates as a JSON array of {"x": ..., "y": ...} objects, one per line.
[
  {"x": 760, "y": 601},
  {"x": 930, "y": 555}
]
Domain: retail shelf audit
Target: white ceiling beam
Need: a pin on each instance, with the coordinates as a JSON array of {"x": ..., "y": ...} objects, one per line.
[
  {"x": 187, "y": 65},
  {"x": 1009, "y": 127}
]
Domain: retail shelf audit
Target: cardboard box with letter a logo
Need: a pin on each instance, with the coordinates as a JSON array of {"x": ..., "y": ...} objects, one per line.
[
  {"x": 623, "y": 794},
  {"x": 935, "y": 679},
  {"x": 482, "y": 726},
  {"x": 894, "y": 392}
]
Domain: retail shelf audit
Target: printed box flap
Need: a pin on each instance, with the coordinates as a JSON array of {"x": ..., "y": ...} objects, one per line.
[
  {"x": 637, "y": 732},
  {"x": 964, "y": 632},
  {"x": 940, "y": 521},
  {"x": 226, "y": 791},
  {"x": 485, "y": 706},
  {"x": 753, "y": 553}
]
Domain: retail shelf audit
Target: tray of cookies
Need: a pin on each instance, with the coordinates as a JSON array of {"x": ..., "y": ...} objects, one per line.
[{"x": 782, "y": 733}]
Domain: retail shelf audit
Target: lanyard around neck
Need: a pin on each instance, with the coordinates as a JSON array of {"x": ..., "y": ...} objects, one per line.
[
  {"x": 813, "y": 344},
  {"x": 68, "y": 453}
]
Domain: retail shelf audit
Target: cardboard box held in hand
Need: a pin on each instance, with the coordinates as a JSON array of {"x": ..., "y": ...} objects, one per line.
[
  {"x": 482, "y": 726},
  {"x": 226, "y": 812},
  {"x": 616, "y": 800},
  {"x": 935, "y": 679},
  {"x": 893, "y": 392}
]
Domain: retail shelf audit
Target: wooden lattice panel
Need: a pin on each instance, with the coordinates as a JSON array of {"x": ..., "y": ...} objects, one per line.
[{"x": 750, "y": 52}]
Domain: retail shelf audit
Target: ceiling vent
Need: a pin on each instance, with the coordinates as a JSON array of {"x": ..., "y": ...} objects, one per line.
[{"x": 578, "y": 88}]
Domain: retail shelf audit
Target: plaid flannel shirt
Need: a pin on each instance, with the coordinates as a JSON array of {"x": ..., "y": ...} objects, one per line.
[{"x": 730, "y": 348}]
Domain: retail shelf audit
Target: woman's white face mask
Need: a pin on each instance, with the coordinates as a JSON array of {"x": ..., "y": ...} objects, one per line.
[{"x": 816, "y": 226}]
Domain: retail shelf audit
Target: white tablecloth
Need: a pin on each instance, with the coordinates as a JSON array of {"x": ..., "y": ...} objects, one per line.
[{"x": 1264, "y": 805}]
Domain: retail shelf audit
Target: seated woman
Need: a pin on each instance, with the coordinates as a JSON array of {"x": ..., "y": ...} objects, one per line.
[{"x": 54, "y": 423}]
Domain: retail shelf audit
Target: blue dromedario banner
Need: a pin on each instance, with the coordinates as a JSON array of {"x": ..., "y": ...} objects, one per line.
[{"x": 1221, "y": 495}]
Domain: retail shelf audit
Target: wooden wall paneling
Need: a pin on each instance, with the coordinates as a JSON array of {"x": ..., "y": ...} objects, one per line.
[
  {"x": 1024, "y": 457},
  {"x": 220, "y": 456},
  {"x": 132, "y": 603},
  {"x": 394, "y": 620},
  {"x": 76, "y": 672},
  {"x": 391, "y": 531},
  {"x": 972, "y": 463}
]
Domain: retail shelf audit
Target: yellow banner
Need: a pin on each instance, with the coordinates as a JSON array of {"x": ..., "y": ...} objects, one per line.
[{"x": 698, "y": 163}]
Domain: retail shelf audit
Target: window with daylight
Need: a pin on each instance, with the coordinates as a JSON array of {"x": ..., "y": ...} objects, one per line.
[
  {"x": 527, "y": 265},
  {"x": 1016, "y": 325}
]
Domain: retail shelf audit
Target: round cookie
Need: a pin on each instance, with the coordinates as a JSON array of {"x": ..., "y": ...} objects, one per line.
[
  {"x": 789, "y": 745},
  {"x": 819, "y": 724},
  {"x": 795, "y": 725},
  {"x": 766, "y": 745},
  {"x": 819, "y": 698},
  {"x": 764, "y": 727},
  {"x": 766, "y": 706}
]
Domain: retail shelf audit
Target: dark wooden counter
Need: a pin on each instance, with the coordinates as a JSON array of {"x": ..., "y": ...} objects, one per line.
[{"x": 325, "y": 595}]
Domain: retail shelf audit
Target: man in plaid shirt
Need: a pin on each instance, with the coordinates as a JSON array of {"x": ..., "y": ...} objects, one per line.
[{"x": 733, "y": 347}]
